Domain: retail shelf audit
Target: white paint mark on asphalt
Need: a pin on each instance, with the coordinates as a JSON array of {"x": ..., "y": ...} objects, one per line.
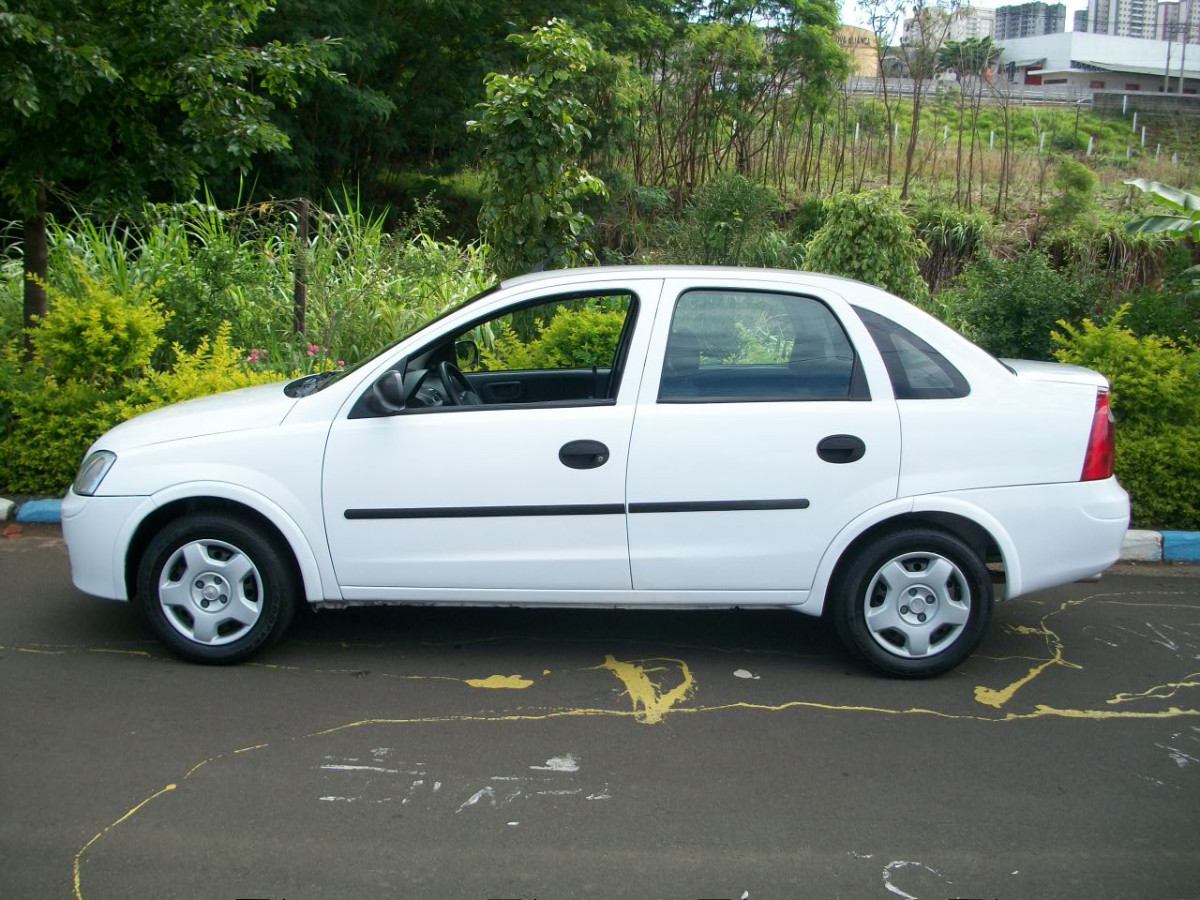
[
  {"x": 488, "y": 792},
  {"x": 564, "y": 763},
  {"x": 601, "y": 794},
  {"x": 342, "y": 799},
  {"x": 744, "y": 673},
  {"x": 1163, "y": 639},
  {"x": 897, "y": 864},
  {"x": 437, "y": 786},
  {"x": 345, "y": 768},
  {"x": 1181, "y": 759},
  {"x": 858, "y": 855},
  {"x": 559, "y": 793},
  {"x": 513, "y": 823}
]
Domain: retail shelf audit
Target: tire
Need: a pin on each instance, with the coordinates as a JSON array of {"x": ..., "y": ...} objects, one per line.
[
  {"x": 913, "y": 604},
  {"x": 215, "y": 590}
]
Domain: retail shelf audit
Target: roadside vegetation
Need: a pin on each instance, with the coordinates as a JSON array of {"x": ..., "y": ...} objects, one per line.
[{"x": 313, "y": 199}]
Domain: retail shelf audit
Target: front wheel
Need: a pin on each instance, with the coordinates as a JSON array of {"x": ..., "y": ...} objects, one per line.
[
  {"x": 914, "y": 604},
  {"x": 214, "y": 589}
]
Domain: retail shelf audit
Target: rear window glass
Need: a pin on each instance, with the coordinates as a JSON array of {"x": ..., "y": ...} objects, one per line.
[
  {"x": 917, "y": 371},
  {"x": 753, "y": 346}
]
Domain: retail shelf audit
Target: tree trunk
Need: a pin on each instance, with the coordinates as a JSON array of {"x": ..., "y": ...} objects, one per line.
[{"x": 36, "y": 265}]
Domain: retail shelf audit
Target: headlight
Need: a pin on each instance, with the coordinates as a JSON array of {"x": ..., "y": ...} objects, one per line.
[{"x": 92, "y": 472}]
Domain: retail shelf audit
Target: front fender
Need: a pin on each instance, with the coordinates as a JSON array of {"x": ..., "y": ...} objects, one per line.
[{"x": 316, "y": 569}]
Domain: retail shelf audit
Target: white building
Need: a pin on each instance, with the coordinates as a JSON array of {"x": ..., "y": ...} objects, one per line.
[
  {"x": 1122, "y": 18},
  {"x": 1082, "y": 62},
  {"x": 966, "y": 22},
  {"x": 1178, "y": 20}
]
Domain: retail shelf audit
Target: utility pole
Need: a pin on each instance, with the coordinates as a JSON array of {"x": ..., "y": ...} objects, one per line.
[
  {"x": 1187, "y": 29},
  {"x": 1167, "y": 70}
]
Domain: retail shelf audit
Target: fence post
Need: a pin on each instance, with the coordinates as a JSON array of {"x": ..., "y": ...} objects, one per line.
[{"x": 300, "y": 289}]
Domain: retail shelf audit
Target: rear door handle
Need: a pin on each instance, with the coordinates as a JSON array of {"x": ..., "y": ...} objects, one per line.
[
  {"x": 841, "y": 448},
  {"x": 583, "y": 454}
]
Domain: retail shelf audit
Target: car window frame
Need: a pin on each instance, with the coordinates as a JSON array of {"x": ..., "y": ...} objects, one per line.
[
  {"x": 859, "y": 388},
  {"x": 960, "y": 384},
  {"x": 618, "y": 369}
]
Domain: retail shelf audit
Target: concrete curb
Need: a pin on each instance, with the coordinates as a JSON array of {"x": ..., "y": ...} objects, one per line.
[{"x": 1139, "y": 545}]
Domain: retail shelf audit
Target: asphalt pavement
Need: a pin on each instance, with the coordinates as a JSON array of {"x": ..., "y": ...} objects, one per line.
[{"x": 456, "y": 753}]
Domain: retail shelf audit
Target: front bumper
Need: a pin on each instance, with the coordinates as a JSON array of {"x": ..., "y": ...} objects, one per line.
[{"x": 98, "y": 531}]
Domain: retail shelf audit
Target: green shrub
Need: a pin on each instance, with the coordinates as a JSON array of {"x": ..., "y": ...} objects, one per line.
[
  {"x": 731, "y": 222},
  {"x": 953, "y": 236},
  {"x": 97, "y": 336},
  {"x": 1160, "y": 468},
  {"x": 1154, "y": 385},
  {"x": 89, "y": 371},
  {"x": 806, "y": 219},
  {"x": 1172, "y": 310},
  {"x": 1155, "y": 380},
  {"x": 53, "y": 423},
  {"x": 867, "y": 236},
  {"x": 1010, "y": 306},
  {"x": 212, "y": 368},
  {"x": 1076, "y": 193}
]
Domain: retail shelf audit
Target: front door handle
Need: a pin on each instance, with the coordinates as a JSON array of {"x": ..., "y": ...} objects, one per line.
[
  {"x": 583, "y": 454},
  {"x": 841, "y": 448}
]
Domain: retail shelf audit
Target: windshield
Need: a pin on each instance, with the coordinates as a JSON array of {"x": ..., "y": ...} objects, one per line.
[{"x": 310, "y": 384}]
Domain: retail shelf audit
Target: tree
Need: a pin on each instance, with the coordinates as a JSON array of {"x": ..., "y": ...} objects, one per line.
[
  {"x": 970, "y": 60},
  {"x": 533, "y": 126},
  {"x": 108, "y": 102},
  {"x": 927, "y": 31}
]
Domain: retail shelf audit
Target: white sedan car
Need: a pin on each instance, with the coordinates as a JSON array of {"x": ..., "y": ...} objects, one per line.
[{"x": 654, "y": 437}]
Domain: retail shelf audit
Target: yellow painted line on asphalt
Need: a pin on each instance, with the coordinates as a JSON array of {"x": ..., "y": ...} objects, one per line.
[
  {"x": 1155, "y": 692},
  {"x": 650, "y": 701},
  {"x": 500, "y": 682},
  {"x": 107, "y": 828}
]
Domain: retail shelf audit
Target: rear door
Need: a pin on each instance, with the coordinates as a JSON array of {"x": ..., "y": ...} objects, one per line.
[{"x": 765, "y": 424}]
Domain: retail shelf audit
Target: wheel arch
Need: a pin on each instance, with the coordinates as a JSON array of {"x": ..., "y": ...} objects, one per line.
[
  {"x": 275, "y": 523},
  {"x": 983, "y": 532}
]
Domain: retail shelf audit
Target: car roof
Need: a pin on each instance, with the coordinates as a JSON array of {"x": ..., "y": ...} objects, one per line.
[{"x": 672, "y": 271}]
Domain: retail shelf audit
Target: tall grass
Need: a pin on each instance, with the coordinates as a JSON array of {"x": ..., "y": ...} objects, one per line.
[{"x": 365, "y": 284}]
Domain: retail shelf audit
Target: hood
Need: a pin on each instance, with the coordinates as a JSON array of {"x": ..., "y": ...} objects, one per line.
[
  {"x": 1031, "y": 370},
  {"x": 253, "y": 407}
]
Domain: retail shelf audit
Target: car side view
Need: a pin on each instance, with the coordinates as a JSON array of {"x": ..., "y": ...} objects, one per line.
[{"x": 653, "y": 437}]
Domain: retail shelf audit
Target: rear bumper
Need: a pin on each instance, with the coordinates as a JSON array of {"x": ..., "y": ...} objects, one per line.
[
  {"x": 1056, "y": 533},
  {"x": 97, "y": 531}
]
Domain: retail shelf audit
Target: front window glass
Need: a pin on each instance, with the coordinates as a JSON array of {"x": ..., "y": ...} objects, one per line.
[{"x": 572, "y": 333}]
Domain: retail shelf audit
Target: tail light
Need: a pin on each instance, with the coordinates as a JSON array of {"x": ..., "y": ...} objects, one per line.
[{"x": 1098, "y": 464}]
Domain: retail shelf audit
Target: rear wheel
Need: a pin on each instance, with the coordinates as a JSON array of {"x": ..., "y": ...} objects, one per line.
[
  {"x": 214, "y": 589},
  {"x": 913, "y": 604}
]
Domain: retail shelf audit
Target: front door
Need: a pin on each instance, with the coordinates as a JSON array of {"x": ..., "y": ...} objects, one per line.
[{"x": 521, "y": 488}]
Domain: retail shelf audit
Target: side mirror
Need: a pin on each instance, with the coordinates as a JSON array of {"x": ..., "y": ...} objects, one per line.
[
  {"x": 467, "y": 354},
  {"x": 387, "y": 394}
]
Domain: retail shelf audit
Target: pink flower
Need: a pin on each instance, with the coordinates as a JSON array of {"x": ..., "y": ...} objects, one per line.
[
  {"x": 314, "y": 349},
  {"x": 341, "y": 364},
  {"x": 254, "y": 356}
]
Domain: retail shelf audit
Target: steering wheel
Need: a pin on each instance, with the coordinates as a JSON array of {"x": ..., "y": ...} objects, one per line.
[{"x": 458, "y": 389}]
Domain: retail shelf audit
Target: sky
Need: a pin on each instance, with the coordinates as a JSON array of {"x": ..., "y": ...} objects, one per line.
[{"x": 852, "y": 16}]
